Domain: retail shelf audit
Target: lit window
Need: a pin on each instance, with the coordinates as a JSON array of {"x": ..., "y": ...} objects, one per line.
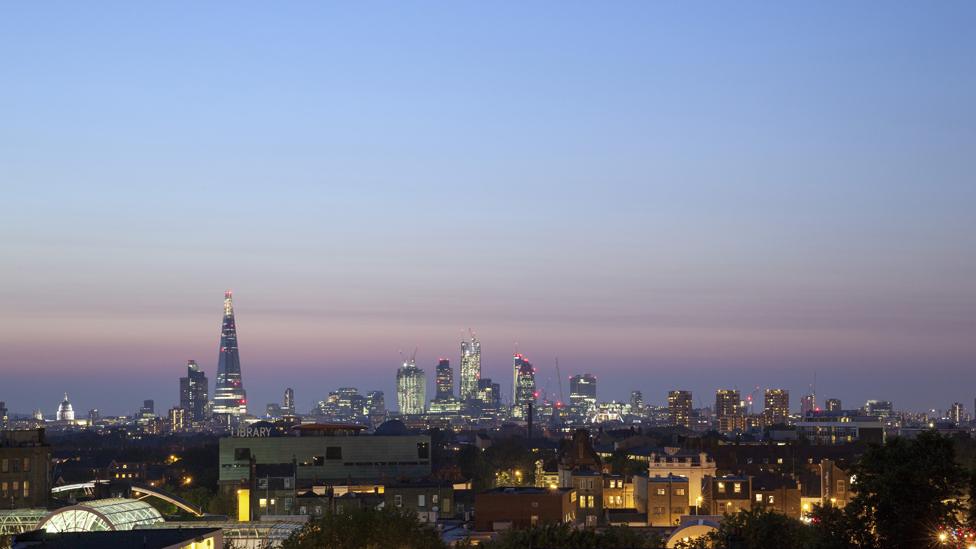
[
  {"x": 661, "y": 491},
  {"x": 679, "y": 491},
  {"x": 421, "y": 500},
  {"x": 721, "y": 487},
  {"x": 759, "y": 498},
  {"x": 770, "y": 499},
  {"x": 737, "y": 488}
]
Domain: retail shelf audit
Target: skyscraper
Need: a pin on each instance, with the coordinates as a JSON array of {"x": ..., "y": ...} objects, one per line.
[
  {"x": 229, "y": 399},
  {"x": 637, "y": 403},
  {"x": 444, "y": 380},
  {"x": 728, "y": 411},
  {"x": 679, "y": 407},
  {"x": 193, "y": 392},
  {"x": 808, "y": 404},
  {"x": 376, "y": 407},
  {"x": 411, "y": 388},
  {"x": 288, "y": 402},
  {"x": 956, "y": 412},
  {"x": 582, "y": 392},
  {"x": 489, "y": 395},
  {"x": 470, "y": 368},
  {"x": 833, "y": 405},
  {"x": 777, "y": 406},
  {"x": 523, "y": 386}
]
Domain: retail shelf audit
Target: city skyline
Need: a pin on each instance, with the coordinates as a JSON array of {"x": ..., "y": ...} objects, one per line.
[
  {"x": 545, "y": 386},
  {"x": 649, "y": 192}
]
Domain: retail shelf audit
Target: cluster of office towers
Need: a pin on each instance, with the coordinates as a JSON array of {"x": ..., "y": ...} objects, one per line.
[{"x": 475, "y": 394}]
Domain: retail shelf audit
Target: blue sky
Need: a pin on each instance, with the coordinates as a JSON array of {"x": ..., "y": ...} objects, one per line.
[{"x": 666, "y": 194}]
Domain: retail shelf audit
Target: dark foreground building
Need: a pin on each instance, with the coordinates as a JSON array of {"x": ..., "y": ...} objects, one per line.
[
  {"x": 184, "y": 538},
  {"x": 25, "y": 465}
]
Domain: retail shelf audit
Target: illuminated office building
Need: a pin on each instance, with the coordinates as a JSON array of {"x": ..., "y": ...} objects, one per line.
[
  {"x": 229, "y": 399},
  {"x": 582, "y": 392},
  {"x": 636, "y": 402},
  {"x": 833, "y": 405},
  {"x": 444, "y": 380},
  {"x": 956, "y": 412},
  {"x": 470, "y": 368},
  {"x": 288, "y": 402},
  {"x": 193, "y": 392},
  {"x": 523, "y": 386},
  {"x": 411, "y": 389},
  {"x": 489, "y": 395}
]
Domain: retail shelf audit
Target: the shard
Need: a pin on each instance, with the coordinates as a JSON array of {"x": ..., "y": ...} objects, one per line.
[{"x": 230, "y": 399}]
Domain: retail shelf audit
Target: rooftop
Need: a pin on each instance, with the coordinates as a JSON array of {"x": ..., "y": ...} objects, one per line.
[
  {"x": 145, "y": 539},
  {"x": 523, "y": 490}
]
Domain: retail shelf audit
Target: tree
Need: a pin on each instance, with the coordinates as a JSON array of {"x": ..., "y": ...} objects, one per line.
[
  {"x": 832, "y": 528},
  {"x": 905, "y": 491},
  {"x": 622, "y": 464},
  {"x": 564, "y": 536},
  {"x": 760, "y": 528},
  {"x": 366, "y": 529}
]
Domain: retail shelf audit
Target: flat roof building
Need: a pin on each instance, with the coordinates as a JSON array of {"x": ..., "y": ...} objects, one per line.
[{"x": 326, "y": 453}]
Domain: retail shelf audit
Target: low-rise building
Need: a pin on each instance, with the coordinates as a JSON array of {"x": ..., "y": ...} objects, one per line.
[
  {"x": 523, "y": 507},
  {"x": 665, "y": 499},
  {"x": 589, "y": 497},
  {"x": 726, "y": 494},
  {"x": 618, "y": 492},
  {"x": 777, "y": 493},
  {"x": 430, "y": 500},
  {"x": 325, "y": 454},
  {"x": 695, "y": 466}
]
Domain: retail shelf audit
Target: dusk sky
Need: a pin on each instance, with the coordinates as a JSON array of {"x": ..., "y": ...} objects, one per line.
[{"x": 668, "y": 195}]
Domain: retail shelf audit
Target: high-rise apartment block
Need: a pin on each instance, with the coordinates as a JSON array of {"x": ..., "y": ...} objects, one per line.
[
  {"x": 679, "y": 408},
  {"x": 777, "y": 406},
  {"x": 729, "y": 411}
]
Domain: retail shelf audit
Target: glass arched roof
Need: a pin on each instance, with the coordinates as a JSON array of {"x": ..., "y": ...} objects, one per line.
[{"x": 100, "y": 515}]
